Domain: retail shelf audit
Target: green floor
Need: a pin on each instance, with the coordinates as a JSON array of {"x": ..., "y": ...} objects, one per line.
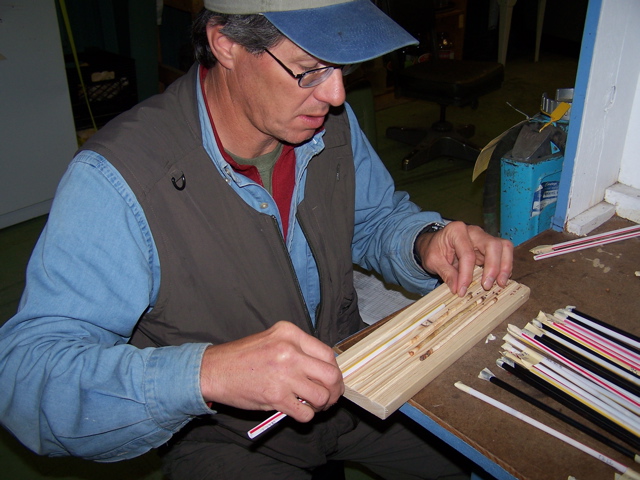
[{"x": 443, "y": 185}]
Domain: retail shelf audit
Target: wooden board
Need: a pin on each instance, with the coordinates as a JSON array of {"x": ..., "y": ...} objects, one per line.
[{"x": 388, "y": 367}]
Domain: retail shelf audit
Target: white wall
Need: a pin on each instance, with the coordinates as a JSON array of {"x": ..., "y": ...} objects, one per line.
[
  {"x": 630, "y": 165},
  {"x": 37, "y": 134},
  {"x": 608, "y": 147}
]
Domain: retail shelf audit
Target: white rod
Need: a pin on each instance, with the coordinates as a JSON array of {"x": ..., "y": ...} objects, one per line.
[
  {"x": 543, "y": 372},
  {"x": 603, "y": 345},
  {"x": 585, "y": 246},
  {"x": 560, "y": 436},
  {"x": 587, "y": 373},
  {"x": 602, "y": 328},
  {"x": 622, "y": 417},
  {"x": 265, "y": 425},
  {"x": 587, "y": 354},
  {"x": 591, "y": 238},
  {"x": 592, "y": 386},
  {"x": 268, "y": 423},
  {"x": 393, "y": 340}
]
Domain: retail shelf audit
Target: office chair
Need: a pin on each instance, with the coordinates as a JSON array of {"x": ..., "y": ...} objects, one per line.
[{"x": 447, "y": 82}]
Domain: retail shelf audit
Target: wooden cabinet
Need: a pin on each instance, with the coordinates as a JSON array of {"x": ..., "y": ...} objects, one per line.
[
  {"x": 191, "y": 6},
  {"x": 450, "y": 21}
]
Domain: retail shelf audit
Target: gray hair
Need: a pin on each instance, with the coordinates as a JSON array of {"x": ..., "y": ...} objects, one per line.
[{"x": 253, "y": 32}]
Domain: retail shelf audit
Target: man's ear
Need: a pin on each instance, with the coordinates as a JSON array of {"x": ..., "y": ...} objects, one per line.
[{"x": 221, "y": 46}]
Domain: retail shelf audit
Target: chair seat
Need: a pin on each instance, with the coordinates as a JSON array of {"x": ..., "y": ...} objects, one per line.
[{"x": 450, "y": 82}]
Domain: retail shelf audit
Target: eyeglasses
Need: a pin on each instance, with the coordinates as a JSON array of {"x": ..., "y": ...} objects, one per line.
[{"x": 316, "y": 76}]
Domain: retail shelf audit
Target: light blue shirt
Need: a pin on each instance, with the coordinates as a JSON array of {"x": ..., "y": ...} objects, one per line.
[{"x": 70, "y": 383}]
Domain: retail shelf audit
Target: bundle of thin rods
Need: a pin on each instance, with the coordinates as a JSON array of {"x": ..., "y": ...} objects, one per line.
[{"x": 586, "y": 365}]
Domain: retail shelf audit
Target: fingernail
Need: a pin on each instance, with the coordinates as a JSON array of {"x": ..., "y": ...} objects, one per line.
[
  {"x": 463, "y": 291},
  {"x": 488, "y": 283}
]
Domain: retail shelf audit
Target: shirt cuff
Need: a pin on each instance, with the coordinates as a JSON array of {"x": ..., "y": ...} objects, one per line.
[{"x": 172, "y": 385}]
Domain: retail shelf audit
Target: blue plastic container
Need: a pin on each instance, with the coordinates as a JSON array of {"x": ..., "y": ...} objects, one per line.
[
  {"x": 529, "y": 180},
  {"x": 529, "y": 193}
]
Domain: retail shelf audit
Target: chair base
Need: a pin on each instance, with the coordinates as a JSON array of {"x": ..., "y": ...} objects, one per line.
[{"x": 432, "y": 144}]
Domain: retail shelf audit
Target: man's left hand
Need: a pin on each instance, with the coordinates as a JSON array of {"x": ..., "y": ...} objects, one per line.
[{"x": 453, "y": 252}]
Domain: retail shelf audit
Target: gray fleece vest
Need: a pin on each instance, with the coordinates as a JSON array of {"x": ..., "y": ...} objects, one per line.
[{"x": 225, "y": 271}]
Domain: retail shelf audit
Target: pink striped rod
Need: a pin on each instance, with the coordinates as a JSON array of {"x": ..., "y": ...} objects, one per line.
[{"x": 584, "y": 246}]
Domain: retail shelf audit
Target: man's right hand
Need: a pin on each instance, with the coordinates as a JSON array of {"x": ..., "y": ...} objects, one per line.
[{"x": 273, "y": 370}]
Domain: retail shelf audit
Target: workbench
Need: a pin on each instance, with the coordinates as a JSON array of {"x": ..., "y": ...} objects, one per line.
[{"x": 600, "y": 282}]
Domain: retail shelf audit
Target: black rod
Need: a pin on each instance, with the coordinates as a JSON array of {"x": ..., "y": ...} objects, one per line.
[
  {"x": 570, "y": 402},
  {"x": 487, "y": 375},
  {"x": 590, "y": 365},
  {"x": 603, "y": 324}
]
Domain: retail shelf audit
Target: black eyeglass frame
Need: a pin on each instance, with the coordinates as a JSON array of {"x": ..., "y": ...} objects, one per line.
[{"x": 346, "y": 70}]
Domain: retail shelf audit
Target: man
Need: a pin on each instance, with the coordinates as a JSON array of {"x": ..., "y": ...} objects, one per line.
[{"x": 197, "y": 262}]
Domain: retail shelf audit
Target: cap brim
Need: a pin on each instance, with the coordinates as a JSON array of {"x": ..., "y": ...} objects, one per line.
[{"x": 350, "y": 32}]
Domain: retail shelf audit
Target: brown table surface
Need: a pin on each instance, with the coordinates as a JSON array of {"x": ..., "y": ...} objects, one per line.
[{"x": 599, "y": 281}]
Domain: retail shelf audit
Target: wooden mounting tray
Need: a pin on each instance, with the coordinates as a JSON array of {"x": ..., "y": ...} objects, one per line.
[{"x": 390, "y": 365}]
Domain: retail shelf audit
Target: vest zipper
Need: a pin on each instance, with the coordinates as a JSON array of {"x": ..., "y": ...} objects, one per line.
[
  {"x": 313, "y": 254},
  {"x": 294, "y": 275}
]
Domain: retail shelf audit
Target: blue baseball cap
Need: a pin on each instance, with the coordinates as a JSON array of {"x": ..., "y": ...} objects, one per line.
[{"x": 334, "y": 31}]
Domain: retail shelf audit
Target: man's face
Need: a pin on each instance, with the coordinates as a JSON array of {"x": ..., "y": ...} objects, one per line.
[{"x": 271, "y": 99}]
